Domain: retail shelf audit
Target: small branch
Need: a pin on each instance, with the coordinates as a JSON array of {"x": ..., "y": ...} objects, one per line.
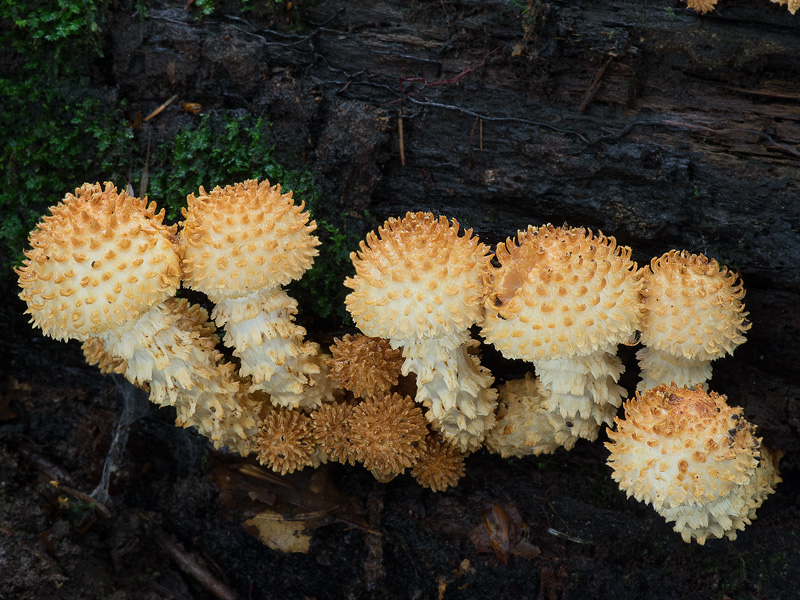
[{"x": 192, "y": 566}]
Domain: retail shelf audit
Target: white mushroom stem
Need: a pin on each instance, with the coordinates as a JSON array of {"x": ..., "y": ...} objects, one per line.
[
  {"x": 662, "y": 367},
  {"x": 260, "y": 328},
  {"x": 453, "y": 385},
  {"x": 583, "y": 386},
  {"x": 182, "y": 369}
]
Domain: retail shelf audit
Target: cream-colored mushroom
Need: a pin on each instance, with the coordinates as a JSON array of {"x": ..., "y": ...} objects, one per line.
[
  {"x": 695, "y": 459},
  {"x": 525, "y": 427},
  {"x": 693, "y": 314},
  {"x": 240, "y": 245},
  {"x": 564, "y": 299},
  {"x": 418, "y": 284},
  {"x": 104, "y": 266}
]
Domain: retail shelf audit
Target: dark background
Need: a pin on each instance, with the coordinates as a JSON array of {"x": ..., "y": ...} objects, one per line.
[{"x": 657, "y": 125}]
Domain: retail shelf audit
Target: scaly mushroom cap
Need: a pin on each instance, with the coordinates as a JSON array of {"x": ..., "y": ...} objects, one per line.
[
  {"x": 331, "y": 426},
  {"x": 285, "y": 441},
  {"x": 680, "y": 446},
  {"x": 388, "y": 434},
  {"x": 367, "y": 366},
  {"x": 417, "y": 278},
  {"x": 245, "y": 237},
  {"x": 440, "y": 466},
  {"x": 560, "y": 292},
  {"x": 692, "y": 307},
  {"x": 100, "y": 259}
]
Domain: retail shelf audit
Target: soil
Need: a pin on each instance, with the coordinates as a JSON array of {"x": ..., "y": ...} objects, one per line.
[{"x": 690, "y": 139}]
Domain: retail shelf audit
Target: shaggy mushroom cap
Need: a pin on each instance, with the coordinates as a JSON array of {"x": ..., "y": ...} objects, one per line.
[
  {"x": 331, "y": 425},
  {"x": 440, "y": 465},
  {"x": 417, "y": 278},
  {"x": 691, "y": 456},
  {"x": 366, "y": 366},
  {"x": 561, "y": 292},
  {"x": 388, "y": 434},
  {"x": 285, "y": 441},
  {"x": 692, "y": 308},
  {"x": 101, "y": 259},
  {"x": 245, "y": 237}
]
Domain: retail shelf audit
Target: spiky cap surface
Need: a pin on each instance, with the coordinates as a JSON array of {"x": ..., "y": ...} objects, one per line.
[
  {"x": 680, "y": 446},
  {"x": 692, "y": 307},
  {"x": 367, "y": 366},
  {"x": 440, "y": 466},
  {"x": 244, "y": 237},
  {"x": 100, "y": 259},
  {"x": 417, "y": 278},
  {"x": 285, "y": 441},
  {"x": 388, "y": 434},
  {"x": 560, "y": 292}
]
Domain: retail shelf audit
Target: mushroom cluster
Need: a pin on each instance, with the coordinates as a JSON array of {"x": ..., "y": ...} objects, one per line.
[
  {"x": 410, "y": 393},
  {"x": 103, "y": 267},
  {"x": 695, "y": 459}
]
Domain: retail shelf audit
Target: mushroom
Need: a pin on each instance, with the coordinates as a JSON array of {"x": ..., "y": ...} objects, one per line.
[
  {"x": 103, "y": 265},
  {"x": 388, "y": 434},
  {"x": 693, "y": 314},
  {"x": 418, "y": 284},
  {"x": 366, "y": 366},
  {"x": 440, "y": 465},
  {"x": 331, "y": 426},
  {"x": 524, "y": 426},
  {"x": 240, "y": 245},
  {"x": 285, "y": 441},
  {"x": 563, "y": 299},
  {"x": 695, "y": 459}
]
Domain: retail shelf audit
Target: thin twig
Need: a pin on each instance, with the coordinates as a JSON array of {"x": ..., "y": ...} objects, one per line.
[{"x": 191, "y": 566}]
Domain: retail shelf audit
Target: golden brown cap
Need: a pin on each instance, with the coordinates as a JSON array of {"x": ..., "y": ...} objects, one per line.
[
  {"x": 101, "y": 258},
  {"x": 680, "y": 446},
  {"x": 417, "y": 278},
  {"x": 244, "y": 237},
  {"x": 367, "y": 366},
  {"x": 692, "y": 307},
  {"x": 285, "y": 441},
  {"x": 440, "y": 466},
  {"x": 561, "y": 292},
  {"x": 388, "y": 434},
  {"x": 331, "y": 426}
]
